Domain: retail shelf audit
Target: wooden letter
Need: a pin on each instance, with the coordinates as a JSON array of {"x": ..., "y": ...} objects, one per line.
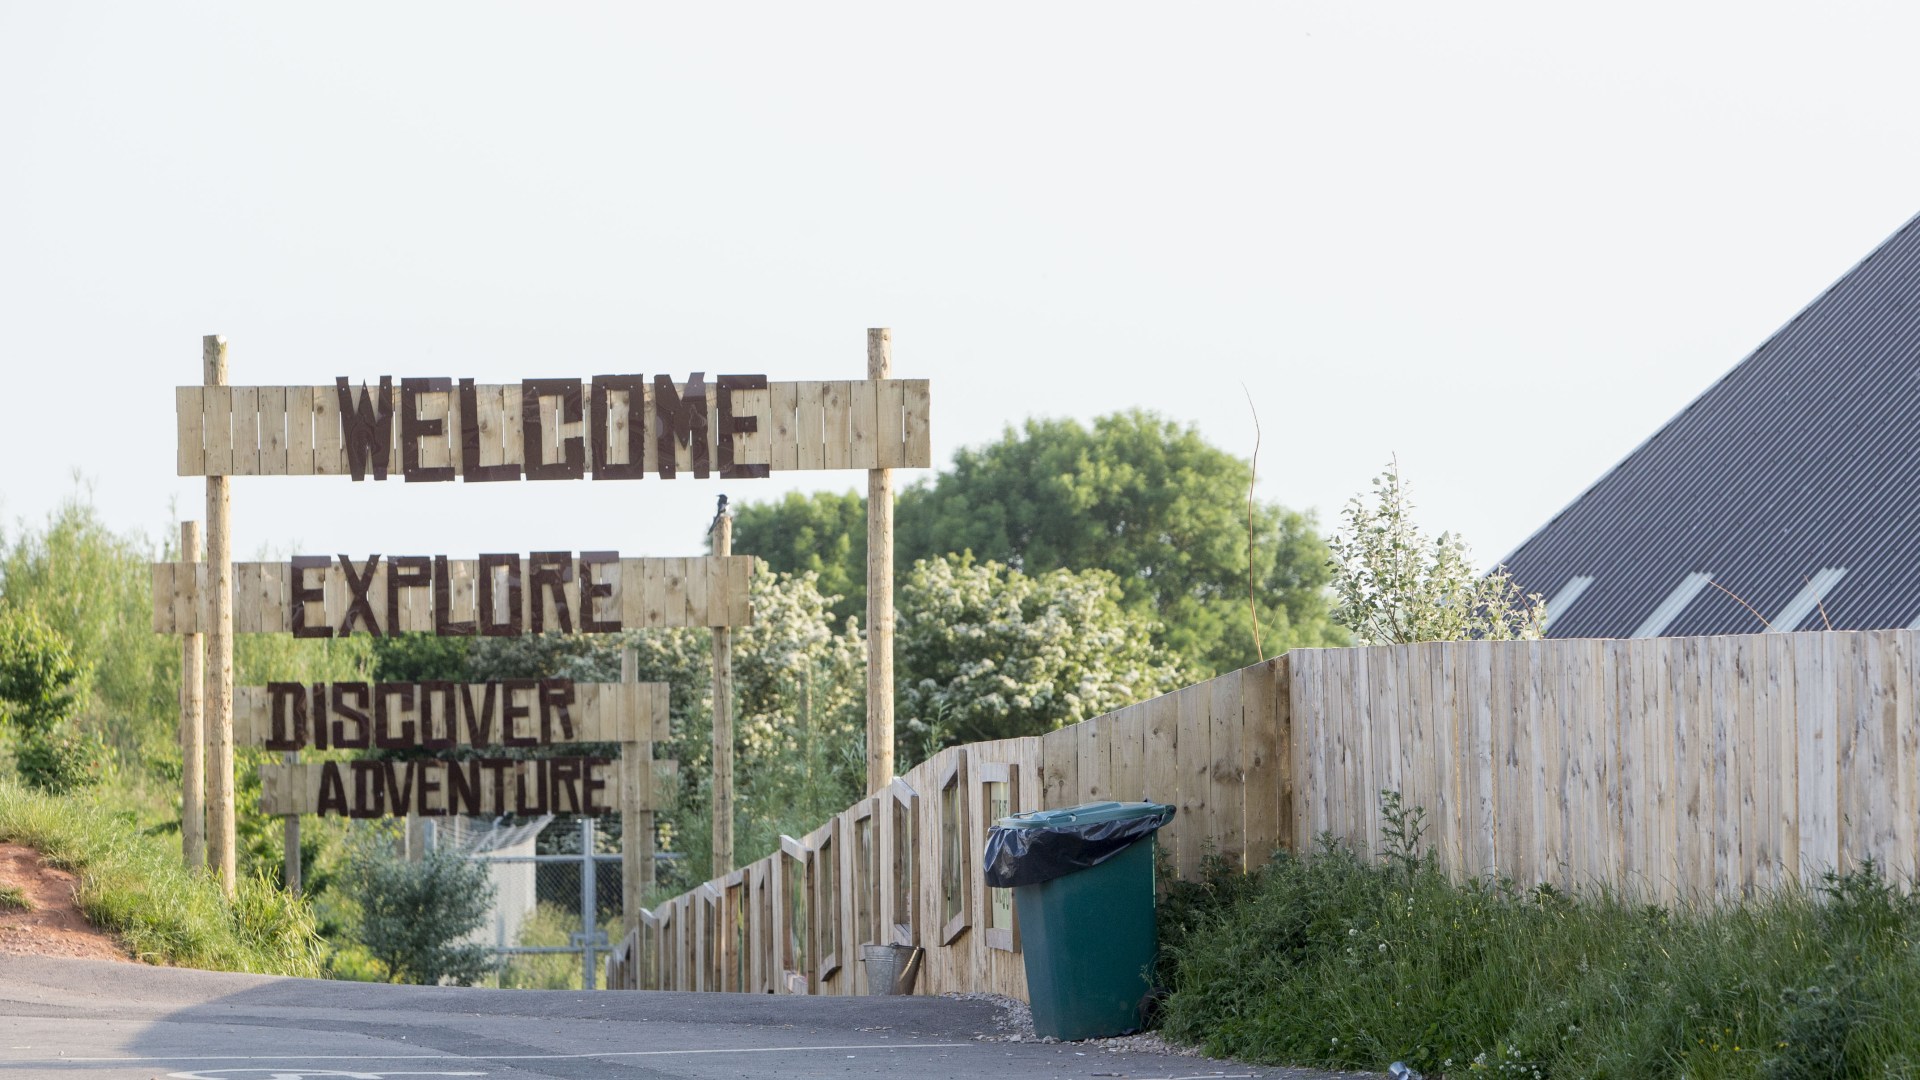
[
  {"x": 413, "y": 429},
  {"x": 555, "y": 697},
  {"x": 550, "y": 570},
  {"x": 573, "y": 451},
  {"x": 443, "y": 621},
  {"x": 681, "y": 419},
  {"x": 448, "y": 713},
  {"x": 511, "y": 709},
  {"x": 383, "y": 736},
  {"x": 635, "y": 467},
  {"x": 333, "y": 791},
  {"x": 591, "y": 590},
  {"x": 405, "y": 572},
  {"x": 479, "y": 721},
  {"x": 358, "y": 606},
  {"x": 302, "y": 596},
  {"x": 510, "y": 626},
  {"x": 470, "y": 467},
  {"x": 286, "y": 732},
  {"x": 731, "y": 425},
  {"x": 368, "y": 427},
  {"x": 357, "y": 713}
]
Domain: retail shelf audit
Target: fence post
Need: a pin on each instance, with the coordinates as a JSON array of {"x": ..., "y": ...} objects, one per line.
[{"x": 589, "y": 903}]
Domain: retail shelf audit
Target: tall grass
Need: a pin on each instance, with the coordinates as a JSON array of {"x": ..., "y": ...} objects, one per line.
[
  {"x": 133, "y": 884},
  {"x": 1329, "y": 960}
]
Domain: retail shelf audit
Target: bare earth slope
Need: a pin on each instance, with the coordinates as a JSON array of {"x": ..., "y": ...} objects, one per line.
[{"x": 54, "y": 926}]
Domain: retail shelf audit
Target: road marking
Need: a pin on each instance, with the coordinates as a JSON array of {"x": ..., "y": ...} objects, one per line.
[
  {"x": 303, "y": 1074},
  {"x": 482, "y": 1058}
]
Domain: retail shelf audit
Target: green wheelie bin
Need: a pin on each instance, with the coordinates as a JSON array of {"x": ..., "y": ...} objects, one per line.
[{"x": 1082, "y": 881}]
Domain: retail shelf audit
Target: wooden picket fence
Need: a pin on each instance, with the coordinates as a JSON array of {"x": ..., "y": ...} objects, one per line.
[{"x": 1673, "y": 768}]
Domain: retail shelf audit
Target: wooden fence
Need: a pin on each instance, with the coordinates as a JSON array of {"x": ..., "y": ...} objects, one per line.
[{"x": 1672, "y": 767}]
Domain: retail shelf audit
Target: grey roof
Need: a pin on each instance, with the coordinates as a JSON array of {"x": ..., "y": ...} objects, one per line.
[{"x": 1805, "y": 457}]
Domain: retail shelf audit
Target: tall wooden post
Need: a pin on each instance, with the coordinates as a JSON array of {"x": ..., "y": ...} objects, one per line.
[
  {"x": 722, "y": 715},
  {"x": 193, "y": 731},
  {"x": 879, "y": 592},
  {"x": 219, "y": 674},
  {"x": 636, "y": 824},
  {"x": 290, "y": 840}
]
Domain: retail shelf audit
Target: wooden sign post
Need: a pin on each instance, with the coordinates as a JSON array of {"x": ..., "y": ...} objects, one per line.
[
  {"x": 879, "y": 592},
  {"x": 442, "y": 430},
  {"x": 193, "y": 731}
]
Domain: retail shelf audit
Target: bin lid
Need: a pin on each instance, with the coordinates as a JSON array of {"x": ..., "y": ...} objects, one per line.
[{"x": 1085, "y": 814}]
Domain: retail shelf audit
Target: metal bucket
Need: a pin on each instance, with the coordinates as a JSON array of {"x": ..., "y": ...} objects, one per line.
[{"x": 891, "y": 969}]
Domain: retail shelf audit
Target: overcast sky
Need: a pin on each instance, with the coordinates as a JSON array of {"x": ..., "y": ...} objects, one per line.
[{"x": 1503, "y": 242}]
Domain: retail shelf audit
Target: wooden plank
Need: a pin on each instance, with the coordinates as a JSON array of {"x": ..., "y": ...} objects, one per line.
[
  {"x": 653, "y": 593},
  {"x": 1126, "y": 748},
  {"x": 1722, "y": 682},
  {"x": 216, "y": 428},
  {"x": 784, "y": 448},
  {"x": 1226, "y": 802},
  {"x": 1096, "y": 764},
  {"x": 274, "y": 441},
  {"x": 1905, "y": 809},
  {"x": 1261, "y": 707},
  {"x": 1194, "y": 745},
  {"x": 740, "y": 590},
  {"x": 673, "y": 592},
  {"x": 836, "y": 409},
  {"x": 1819, "y": 791},
  {"x": 890, "y": 405},
  {"x": 246, "y": 431},
  {"x": 1360, "y": 824},
  {"x": 191, "y": 456},
  {"x": 1059, "y": 773},
  {"x": 1163, "y": 766},
  {"x": 919, "y": 420},
  {"x": 329, "y": 447},
  {"x": 862, "y": 424},
  {"x": 161, "y": 582},
  {"x": 696, "y": 575},
  {"x": 299, "y": 431},
  {"x": 513, "y": 450},
  {"x": 1478, "y": 657},
  {"x": 809, "y": 431}
]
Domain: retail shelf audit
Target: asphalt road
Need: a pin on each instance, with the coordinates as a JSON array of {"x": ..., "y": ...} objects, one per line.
[{"x": 110, "y": 1021}]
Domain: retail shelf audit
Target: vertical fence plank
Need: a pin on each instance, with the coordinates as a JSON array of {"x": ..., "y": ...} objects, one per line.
[
  {"x": 1260, "y": 705},
  {"x": 1225, "y": 806},
  {"x": 1163, "y": 768},
  {"x": 1096, "y": 763},
  {"x": 1194, "y": 746},
  {"x": 1905, "y": 809},
  {"x": 1126, "y": 736},
  {"x": 1818, "y": 752},
  {"x": 1059, "y": 769}
]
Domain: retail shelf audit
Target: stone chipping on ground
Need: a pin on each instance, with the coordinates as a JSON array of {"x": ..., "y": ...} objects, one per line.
[{"x": 1016, "y": 1023}]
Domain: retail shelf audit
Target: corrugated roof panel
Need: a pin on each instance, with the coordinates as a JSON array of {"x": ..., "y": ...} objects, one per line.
[{"x": 1806, "y": 454}]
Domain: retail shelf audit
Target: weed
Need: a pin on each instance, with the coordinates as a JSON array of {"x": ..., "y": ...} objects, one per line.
[
  {"x": 1329, "y": 959},
  {"x": 14, "y": 899}
]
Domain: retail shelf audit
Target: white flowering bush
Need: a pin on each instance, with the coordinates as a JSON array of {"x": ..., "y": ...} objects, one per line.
[
  {"x": 1395, "y": 586},
  {"x": 994, "y": 653}
]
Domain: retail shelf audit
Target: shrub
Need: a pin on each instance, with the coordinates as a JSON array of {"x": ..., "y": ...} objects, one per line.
[
  {"x": 413, "y": 915},
  {"x": 1330, "y": 960}
]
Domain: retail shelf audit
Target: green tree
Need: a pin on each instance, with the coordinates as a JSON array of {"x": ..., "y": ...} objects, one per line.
[
  {"x": 41, "y": 688},
  {"x": 822, "y": 533},
  {"x": 94, "y": 586},
  {"x": 1137, "y": 495},
  {"x": 992, "y": 653},
  {"x": 1396, "y": 585},
  {"x": 413, "y": 916}
]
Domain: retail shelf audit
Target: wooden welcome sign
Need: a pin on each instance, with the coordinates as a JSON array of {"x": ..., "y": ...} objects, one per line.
[
  {"x": 439, "y": 429},
  {"x": 612, "y": 427}
]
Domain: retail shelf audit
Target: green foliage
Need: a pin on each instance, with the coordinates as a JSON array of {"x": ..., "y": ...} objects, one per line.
[
  {"x": 1328, "y": 960},
  {"x": 133, "y": 885},
  {"x": 1000, "y": 654},
  {"x": 41, "y": 687},
  {"x": 93, "y": 587},
  {"x": 1396, "y": 586},
  {"x": 414, "y": 915},
  {"x": 550, "y": 925},
  {"x": 422, "y": 657},
  {"x": 1139, "y": 496},
  {"x": 799, "y": 716},
  {"x": 14, "y": 899},
  {"x": 822, "y": 533}
]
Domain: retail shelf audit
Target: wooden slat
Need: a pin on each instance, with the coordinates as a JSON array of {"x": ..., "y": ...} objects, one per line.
[
  {"x": 1095, "y": 772},
  {"x": 191, "y": 457},
  {"x": 216, "y": 428},
  {"x": 299, "y": 403},
  {"x": 784, "y": 453},
  {"x": 274, "y": 442},
  {"x": 1227, "y": 803},
  {"x": 919, "y": 430},
  {"x": 246, "y": 431},
  {"x": 863, "y": 435},
  {"x": 161, "y": 582},
  {"x": 809, "y": 430},
  {"x": 1060, "y": 772},
  {"x": 836, "y": 411},
  {"x": 1194, "y": 747},
  {"x": 329, "y": 447}
]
